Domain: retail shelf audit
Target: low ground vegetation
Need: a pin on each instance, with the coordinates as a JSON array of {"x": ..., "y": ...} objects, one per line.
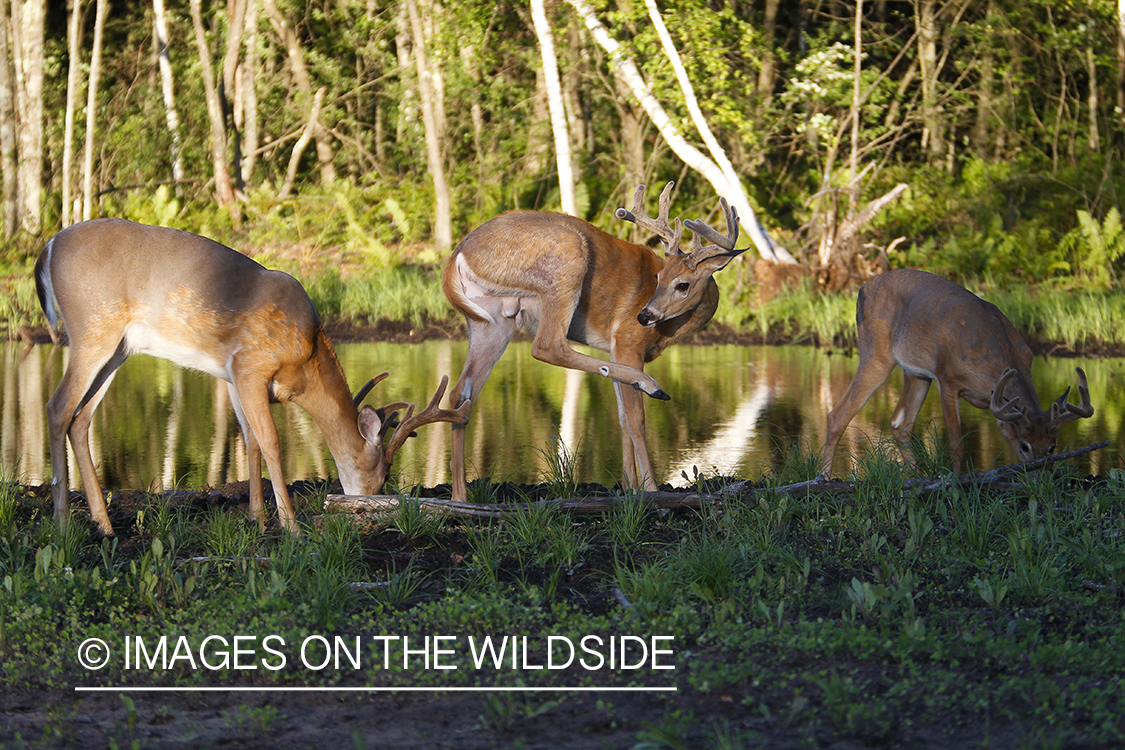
[{"x": 978, "y": 616}]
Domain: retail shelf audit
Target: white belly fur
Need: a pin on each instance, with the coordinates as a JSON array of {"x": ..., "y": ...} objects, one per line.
[{"x": 141, "y": 339}]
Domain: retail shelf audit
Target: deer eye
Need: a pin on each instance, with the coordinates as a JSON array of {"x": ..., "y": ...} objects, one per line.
[
  {"x": 1025, "y": 447},
  {"x": 682, "y": 286}
]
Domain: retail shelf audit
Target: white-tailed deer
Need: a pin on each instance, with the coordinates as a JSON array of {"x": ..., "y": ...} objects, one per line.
[
  {"x": 936, "y": 330},
  {"x": 123, "y": 288},
  {"x": 566, "y": 280}
]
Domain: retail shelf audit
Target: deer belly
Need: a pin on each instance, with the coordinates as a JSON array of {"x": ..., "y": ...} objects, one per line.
[{"x": 142, "y": 339}]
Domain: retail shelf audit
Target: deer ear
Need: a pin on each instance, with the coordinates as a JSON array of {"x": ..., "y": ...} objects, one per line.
[
  {"x": 369, "y": 424},
  {"x": 716, "y": 263}
]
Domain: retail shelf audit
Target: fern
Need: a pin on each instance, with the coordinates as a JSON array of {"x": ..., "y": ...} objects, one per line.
[{"x": 1095, "y": 247}]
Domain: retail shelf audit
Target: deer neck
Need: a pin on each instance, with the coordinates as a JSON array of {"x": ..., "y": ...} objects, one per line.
[{"x": 329, "y": 402}]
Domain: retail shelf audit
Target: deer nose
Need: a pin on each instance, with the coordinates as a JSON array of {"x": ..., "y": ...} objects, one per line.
[{"x": 646, "y": 318}]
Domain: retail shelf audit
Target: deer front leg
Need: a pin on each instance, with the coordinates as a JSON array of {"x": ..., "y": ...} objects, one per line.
[
  {"x": 951, "y": 413},
  {"x": 251, "y": 406},
  {"x": 635, "y": 461},
  {"x": 914, "y": 391},
  {"x": 550, "y": 345},
  {"x": 631, "y": 416}
]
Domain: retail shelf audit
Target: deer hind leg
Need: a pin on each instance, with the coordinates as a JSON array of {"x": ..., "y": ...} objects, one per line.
[
  {"x": 487, "y": 342},
  {"x": 872, "y": 373},
  {"x": 69, "y": 413},
  {"x": 914, "y": 391}
]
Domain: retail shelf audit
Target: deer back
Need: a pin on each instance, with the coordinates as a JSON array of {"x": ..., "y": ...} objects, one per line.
[
  {"x": 940, "y": 330},
  {"x": 524, "y": 254},
  {"x": 943, "y": 331}
]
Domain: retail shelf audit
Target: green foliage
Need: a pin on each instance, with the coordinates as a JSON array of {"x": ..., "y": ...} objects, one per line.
[{"x": 1095, "y": 247}]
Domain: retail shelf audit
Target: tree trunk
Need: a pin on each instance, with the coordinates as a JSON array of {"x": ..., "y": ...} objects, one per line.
[
  {"x": 73, "y": 87},
  {"x": 27, "y": 28},
  {"x": 8, "y": 180},
  {"x": 168, "y": 88},
  {"x": 925, "y": 20},
  {"x": 632, "y": 137},
  {"x": 92, "y": 110},
  {"x": 250, "y": 93},
  {"x": 626, "y": 69},
  {"x": 301, "y": 78},
  {"x": 555, "y": 105},
  {"x": 443, "y": 222},
  {"x": 302, "y": 144},
  {"x": 1121, "y": 55},
  {"x": 224, "y": 192},
  {"x": 229, "y": 95},
  {"x": 857, "y": 101},
  {"x": 767, "y": 74},
  {"x": 1092, "y": 99},
  {"x": 985, "y": 96}
]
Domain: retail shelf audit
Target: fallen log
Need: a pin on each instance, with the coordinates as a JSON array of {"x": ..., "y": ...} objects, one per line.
[
  {"x": 580, "y": 505},
  {"x": 744, "y": 490},
  {"x": 917, "y": 484}
]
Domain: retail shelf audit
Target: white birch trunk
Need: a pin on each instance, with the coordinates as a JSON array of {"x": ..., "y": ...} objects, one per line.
[
  {"x": 558, "y": 110},
  {"x": 626, "y": 69},
  {"x": 168, "y": 87},
  {"x": 92, "y": 110}
]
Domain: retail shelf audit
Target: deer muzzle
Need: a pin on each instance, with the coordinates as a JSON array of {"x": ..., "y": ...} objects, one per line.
[{"x": 648, "y": 318}]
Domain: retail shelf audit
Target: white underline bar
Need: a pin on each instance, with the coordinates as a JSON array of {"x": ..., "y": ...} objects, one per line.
[{"x": 243, "y": 689}]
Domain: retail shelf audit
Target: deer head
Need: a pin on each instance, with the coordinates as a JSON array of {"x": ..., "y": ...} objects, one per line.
[
  {"x": 1032, "y": 432},
  {"x": 376, "y": 424},
  {"x": 685, "y": 277}
]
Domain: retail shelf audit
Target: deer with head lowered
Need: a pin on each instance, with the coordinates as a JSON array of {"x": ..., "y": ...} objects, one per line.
[
  {"x": 936, "y": 330},
  {"x": 123, "y": 288},
  {"x": 566, "y": 280}
]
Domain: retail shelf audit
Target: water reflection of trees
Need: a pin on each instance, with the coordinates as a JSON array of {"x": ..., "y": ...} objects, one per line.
[{"x": 731, "y": 408}]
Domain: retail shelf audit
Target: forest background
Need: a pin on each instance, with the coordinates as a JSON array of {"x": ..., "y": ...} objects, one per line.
[{"x": 353, "y": 142}]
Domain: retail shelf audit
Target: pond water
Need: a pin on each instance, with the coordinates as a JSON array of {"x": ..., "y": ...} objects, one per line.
[{"x": 732, "y": 409}]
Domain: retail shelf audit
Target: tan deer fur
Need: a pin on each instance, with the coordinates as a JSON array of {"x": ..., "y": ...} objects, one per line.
[
  {"x": 565, "y": 280},
  {"x": 936, "y": 330},
  {"x": 123, "y": 288}
]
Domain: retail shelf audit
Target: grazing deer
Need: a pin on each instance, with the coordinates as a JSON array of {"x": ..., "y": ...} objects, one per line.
[
  {"x": 123, "y": 288},
  {"x": 566, "y": 280},
  {"x": 936, "y": 330}
]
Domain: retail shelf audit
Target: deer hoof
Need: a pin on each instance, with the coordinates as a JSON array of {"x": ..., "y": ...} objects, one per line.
[{"x": 661, "y": 395}]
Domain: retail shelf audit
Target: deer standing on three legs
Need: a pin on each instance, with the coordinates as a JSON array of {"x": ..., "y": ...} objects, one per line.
[
  {"x": 564, "y": 279},
  {"x": 123, "y": 288},
  {"x": 936, "y": 330}
]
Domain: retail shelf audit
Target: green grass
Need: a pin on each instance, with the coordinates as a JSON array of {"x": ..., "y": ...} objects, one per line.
[{"x": 881, "y": 617}]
